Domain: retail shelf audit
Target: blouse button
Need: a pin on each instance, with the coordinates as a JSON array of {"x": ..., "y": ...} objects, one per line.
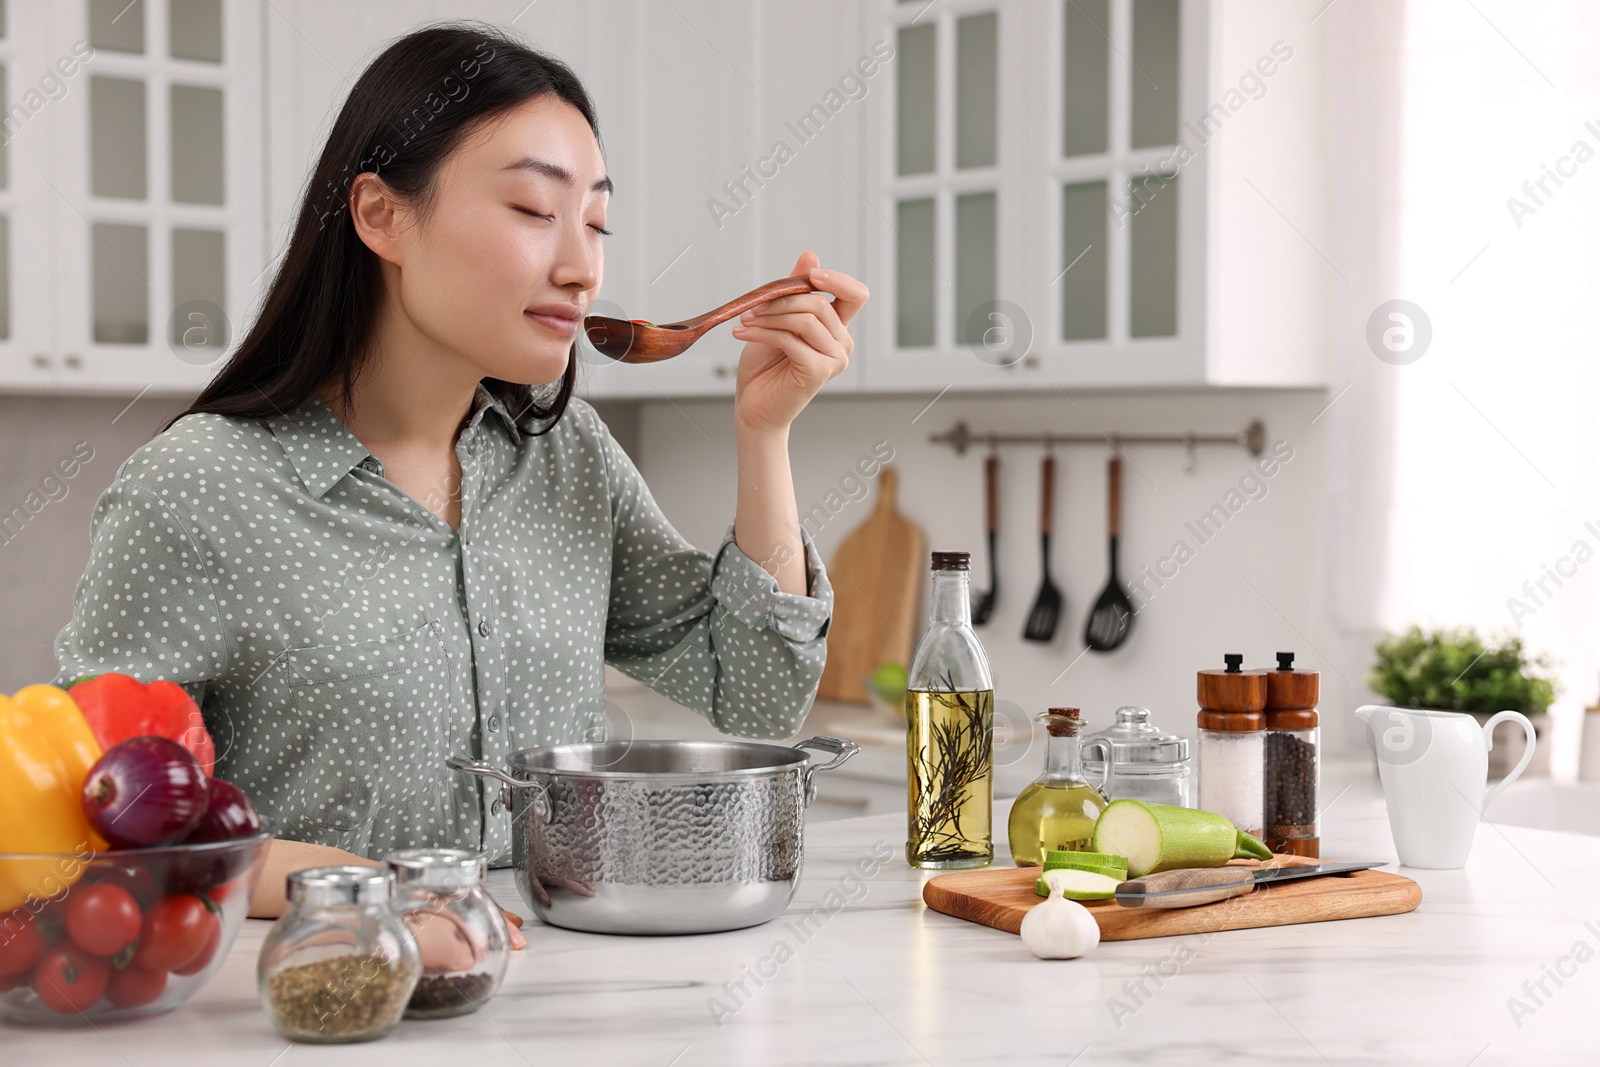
[
  {"x": 484, "y": 628},
  {"x": 494, "y": 722}
]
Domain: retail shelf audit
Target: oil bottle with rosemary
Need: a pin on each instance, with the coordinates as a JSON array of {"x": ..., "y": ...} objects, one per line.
[
  {"x": 1058, "y": 810},
  {"x": 950, "y": 732}
]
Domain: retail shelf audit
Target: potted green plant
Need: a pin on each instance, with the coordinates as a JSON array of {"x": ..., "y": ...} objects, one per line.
[{"x": 1456, "y": 670}]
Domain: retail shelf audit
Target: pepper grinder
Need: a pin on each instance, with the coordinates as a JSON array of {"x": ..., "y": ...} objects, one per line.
[
  {"x": 1293, "y": 760},
  {"x": 1232, "y": 750}
]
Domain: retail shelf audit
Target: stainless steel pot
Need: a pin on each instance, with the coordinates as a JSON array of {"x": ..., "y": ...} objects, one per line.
[{"x": 659, "y": 837}]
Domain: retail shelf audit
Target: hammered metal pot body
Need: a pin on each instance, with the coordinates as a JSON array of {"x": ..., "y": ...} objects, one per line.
[{"x": 659, "y": 837}]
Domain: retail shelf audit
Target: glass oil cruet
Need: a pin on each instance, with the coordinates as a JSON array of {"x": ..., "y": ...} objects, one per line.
[
  {"x": 950, "y": 732},
  {"x": 1057, "y": 812}
]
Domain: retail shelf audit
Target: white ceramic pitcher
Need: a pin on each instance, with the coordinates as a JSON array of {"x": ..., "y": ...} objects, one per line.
[{"x": 1434, "y": 766}]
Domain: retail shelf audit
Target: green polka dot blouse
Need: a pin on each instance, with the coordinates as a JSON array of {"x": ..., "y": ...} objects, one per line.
[{"x": 343, "y": 640}]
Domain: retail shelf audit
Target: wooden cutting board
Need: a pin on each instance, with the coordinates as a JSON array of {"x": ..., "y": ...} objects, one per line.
[
  {"x": 1001, "y": 896},
  {"x": 876, "y": 575}
]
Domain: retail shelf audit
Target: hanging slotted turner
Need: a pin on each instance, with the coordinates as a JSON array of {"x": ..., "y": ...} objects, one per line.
[
  {"x": 1111, "y": 618},
  {"x": 983, "y": 603},
  {"x": 1046, "y": 610}
]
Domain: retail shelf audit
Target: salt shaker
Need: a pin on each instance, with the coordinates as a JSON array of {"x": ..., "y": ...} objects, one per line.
[
  {"x": 459, "y": 930},
  {"x": 1293, "y": 760},
  {"x": 1232, "y": 743}
]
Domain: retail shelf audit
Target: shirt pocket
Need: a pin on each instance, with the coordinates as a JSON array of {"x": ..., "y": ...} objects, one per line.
[{"x": 374, "y": 716}]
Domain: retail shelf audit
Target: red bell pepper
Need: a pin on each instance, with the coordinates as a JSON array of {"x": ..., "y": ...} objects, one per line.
[{"x": 118, "y": 707}]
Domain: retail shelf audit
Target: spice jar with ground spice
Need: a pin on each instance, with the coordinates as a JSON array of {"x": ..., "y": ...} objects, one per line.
[
  {"x": 340, "y": 965},
  {"x": 460, "y": 932},
  {"x": 1293, "y": 760}
]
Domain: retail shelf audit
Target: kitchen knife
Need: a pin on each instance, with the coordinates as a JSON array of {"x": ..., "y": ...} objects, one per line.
[{"x": 1187, "y": 888}]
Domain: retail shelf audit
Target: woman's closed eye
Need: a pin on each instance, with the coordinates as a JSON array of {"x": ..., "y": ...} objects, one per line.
[{"x": 550, "y": 218}]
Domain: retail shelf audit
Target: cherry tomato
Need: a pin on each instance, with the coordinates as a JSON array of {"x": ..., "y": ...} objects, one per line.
[
  {"x": 69, "y": 979},
  {"x": 175, "y": 930},
  {"x": 224, "y": 891},
  {"x": 207, "y": 951},
  {"x": 102, "y": 918},
  {"x": 21, "y": 943},
  {"x": 133, "y": 986}
]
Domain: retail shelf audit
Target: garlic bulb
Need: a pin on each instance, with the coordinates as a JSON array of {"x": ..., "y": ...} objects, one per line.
[{"x": 1058, "y": 928}]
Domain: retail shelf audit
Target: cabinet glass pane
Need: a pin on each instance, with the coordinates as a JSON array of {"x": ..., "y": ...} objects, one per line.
[
  {"x": 1153, "y": 258},
  {"x": 196, "y": 145},
  {"x": 5, "y": 277},
  {"x": 116, "y": 138},
  {"x": 977, "y": 89},
  {"x": 121, "y": 290},
  {"x": 199, "y": 272},
  {"x": 1083, "y": 257},
  {"x": 975, "y": 264},
  {"x": 2, "y": 18},
  {"x": 1086, "y": 84},
  {"x": 915, "y": 100},
  {"x": 117, "y": 25},
  {"x": 914, "y": 274},
  {"x": 1155, "y": 73},
  {"x": 194, "y": 28}
]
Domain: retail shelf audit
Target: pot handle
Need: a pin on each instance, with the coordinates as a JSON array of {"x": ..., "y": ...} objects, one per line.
[
  {"x": 468, "y": 765},
  {"x": 841, "y": 749}
]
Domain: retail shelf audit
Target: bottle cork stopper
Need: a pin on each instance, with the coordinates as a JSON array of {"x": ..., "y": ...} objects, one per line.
[{"x": 1063, "y": 722}]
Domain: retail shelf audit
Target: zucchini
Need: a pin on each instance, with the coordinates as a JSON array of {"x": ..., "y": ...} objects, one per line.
[
  {"x": 1077, "y": 885},
  {"x": 1098, "y": 862},
  {"x": 1159, "y": 837}
]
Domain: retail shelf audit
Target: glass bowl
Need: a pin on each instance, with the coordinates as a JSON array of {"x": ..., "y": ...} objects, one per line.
[{"x": 184, "y": 896}]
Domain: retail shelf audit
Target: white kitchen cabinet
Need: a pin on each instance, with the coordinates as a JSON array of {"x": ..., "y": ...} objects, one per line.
[
  {"x": 136, "y": 171},
  {"x": 1157, "y": 180},
  {"x": 1180, "y": 243},
  {"x": 738, "y": 134},
  {"x": 733, "y": 145}
]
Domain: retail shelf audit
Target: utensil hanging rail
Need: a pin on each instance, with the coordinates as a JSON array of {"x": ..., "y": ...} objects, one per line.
[{"x": 961, "y": 437}]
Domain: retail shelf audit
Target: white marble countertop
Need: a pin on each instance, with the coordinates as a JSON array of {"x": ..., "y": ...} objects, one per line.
[{"x": 886, "y": 981}]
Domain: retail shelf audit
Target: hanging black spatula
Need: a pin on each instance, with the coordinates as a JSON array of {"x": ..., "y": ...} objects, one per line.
[
  {"x": 983, "y": 603},
  {"x": 1112, "y": 615},
  {"x": 1046, "y": 610}
]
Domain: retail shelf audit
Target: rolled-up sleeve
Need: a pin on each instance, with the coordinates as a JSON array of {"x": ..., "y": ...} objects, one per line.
[
  {"x": 711, "y": 631},
  {"x": 145, "y": 605}
]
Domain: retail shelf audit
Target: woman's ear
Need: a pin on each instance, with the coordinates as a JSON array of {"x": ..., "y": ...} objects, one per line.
[{"x": 378, "y": 217}]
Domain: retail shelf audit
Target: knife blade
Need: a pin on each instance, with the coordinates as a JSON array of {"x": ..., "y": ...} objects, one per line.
[{"x": 1188, "y": 888}]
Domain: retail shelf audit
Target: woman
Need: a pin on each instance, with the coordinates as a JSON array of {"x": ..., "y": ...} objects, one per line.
[{"x": 387, "y": 533}]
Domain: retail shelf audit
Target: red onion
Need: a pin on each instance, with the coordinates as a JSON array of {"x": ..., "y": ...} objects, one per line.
[
  {"x": 228, "y": 814},
  {"x": 145, "y": 791}
]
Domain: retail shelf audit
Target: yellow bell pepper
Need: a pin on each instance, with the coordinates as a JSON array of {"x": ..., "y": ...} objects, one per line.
[{"x": 46, "y": 751}]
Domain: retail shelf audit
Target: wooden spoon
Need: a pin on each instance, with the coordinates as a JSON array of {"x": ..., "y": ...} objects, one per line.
[{"x": 627, "y": 341}]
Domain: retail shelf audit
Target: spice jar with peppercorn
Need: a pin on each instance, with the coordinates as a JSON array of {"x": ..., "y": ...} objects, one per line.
[
  {"x": 340, "y": 965},
  {"x": 462, "y": 937},
  {"x": 1293, "y": 760},
  {"x": 1232, "y": 732}
]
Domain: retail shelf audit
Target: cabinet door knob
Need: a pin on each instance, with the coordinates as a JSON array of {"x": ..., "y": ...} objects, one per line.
[
  {"x": 74, "y": 361},
  {"x": 720, "y": 370},
  {"x": 41, "y": 360}
]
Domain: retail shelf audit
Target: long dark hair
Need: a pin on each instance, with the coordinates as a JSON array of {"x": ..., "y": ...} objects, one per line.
[{"x": 409, "y": 109}]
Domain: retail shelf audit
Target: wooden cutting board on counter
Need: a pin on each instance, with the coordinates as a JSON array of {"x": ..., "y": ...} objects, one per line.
[
  {"x": 876, "y": 575},
  {"x": 1001, "y": 896}
]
